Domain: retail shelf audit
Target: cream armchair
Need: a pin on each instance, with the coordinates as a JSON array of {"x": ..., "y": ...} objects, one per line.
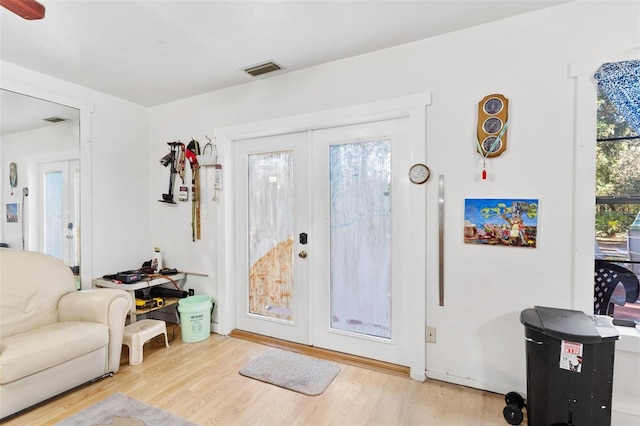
[{"x": 52, "y": 337}]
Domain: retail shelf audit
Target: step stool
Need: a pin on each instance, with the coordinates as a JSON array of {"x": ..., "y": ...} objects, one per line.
[{"x": 138, "y": 333}]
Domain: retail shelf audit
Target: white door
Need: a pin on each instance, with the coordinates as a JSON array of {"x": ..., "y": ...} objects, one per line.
[
  {"x": 59, "y": 210},
  {"x": 271, "y": 213},
  {"x": 361, "y": 234},
  {"x": 326, "y": 269}
]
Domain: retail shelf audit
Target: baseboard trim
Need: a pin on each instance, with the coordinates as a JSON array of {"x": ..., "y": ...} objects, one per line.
[
  {"x": 474, "y": 383},
  {"x": 371, "y": 364}
]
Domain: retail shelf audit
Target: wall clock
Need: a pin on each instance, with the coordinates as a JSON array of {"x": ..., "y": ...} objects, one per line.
[
  {"x": 493, "y": 114},
  {"x": 419, "y": 173}
]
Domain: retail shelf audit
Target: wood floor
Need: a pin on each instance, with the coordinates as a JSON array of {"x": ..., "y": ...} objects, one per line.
[{"x": 200, "y": 382}]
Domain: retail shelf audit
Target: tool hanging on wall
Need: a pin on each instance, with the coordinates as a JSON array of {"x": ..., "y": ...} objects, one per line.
[
  {"x": 209, "y": 158},
  {"x": 172, "y": 159},
  {"x": 181, "y": 162},
  {"x": 183, "y": 193},
  {"x": 13, "y": 176},
  {"x": 192, "y": 151}
]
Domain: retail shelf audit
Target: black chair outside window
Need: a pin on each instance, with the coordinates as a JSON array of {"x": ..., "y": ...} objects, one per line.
[{"x": 606, "y": 278}]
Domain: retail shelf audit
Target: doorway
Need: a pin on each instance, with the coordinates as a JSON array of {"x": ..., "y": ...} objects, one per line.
[
  {"x": 321, "y": 238},
  {"x": 406, "y": 344}
]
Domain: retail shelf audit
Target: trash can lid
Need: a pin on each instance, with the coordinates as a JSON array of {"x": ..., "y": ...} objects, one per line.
[{"x": 565, "y": 324}]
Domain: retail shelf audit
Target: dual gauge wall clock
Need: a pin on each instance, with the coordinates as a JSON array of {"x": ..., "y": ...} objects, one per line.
[
  {"x": 493, "y": 116},
  {"x": 493, "y": 119}
]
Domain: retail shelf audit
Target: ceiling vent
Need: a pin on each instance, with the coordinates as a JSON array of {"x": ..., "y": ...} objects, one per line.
[
  {"x": 263, "y": 68},
  {"x": 54, "y": 119}
]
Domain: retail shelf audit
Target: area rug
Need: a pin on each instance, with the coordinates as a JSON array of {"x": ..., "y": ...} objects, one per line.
[
  {"x": 289, "y": 370},
  {"x": 120, "y": 410}
]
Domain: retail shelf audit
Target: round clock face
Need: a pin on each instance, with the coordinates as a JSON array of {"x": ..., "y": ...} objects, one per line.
[
  {"x": 492, "y": 106},
  {"x": 419, "y": 173},
  {"x": 491, "y": 144},
  {"x": 492, "y": 125}
]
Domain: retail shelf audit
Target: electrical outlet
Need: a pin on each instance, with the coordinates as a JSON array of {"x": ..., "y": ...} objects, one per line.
[
  {"x": 191, "y": 292},
  {"x": 430, "y": 335}
]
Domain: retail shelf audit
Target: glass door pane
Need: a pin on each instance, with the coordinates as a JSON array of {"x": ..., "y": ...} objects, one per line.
[
  {"x": 58, "y": 194},
  {"x": 53, "y": 214},
  {"x": 360, "y": 237},
  {"x": 271, "y": 229}
]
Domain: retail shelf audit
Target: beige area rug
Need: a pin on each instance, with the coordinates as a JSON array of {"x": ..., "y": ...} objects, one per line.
[
  {"x": 120, "y": 410},
  {"x": 300, "y": 373}
]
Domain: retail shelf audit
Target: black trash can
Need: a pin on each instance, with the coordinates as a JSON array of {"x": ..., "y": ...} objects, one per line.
[{"x": 569, "y": 367}]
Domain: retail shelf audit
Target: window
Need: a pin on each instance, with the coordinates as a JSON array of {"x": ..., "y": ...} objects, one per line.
[{"x": 617, "y": 215}]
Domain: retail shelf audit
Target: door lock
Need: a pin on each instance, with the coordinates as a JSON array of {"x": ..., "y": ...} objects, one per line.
[{"x": 302, "y": 254}]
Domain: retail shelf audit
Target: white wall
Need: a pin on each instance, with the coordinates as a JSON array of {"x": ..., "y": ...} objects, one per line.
[{"x": 526, "y": 58}]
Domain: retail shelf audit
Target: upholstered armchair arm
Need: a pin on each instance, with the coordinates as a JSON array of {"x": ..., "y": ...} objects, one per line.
[{"x": 108, "y": 306}]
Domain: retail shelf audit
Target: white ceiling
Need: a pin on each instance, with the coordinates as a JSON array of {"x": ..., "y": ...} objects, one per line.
[
  {"x": 20, "y": 113},
  {"x": 157, "y": 51},
  {"x": 153, "y": 52}
]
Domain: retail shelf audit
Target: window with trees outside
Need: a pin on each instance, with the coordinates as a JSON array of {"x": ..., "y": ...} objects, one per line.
[{"x": 617, "y": 212}]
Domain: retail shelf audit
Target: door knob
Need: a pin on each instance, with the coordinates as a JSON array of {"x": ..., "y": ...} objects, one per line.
[{"x": 302, "y": 254}]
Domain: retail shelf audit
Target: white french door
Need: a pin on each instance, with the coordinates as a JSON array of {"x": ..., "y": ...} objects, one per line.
[
  {"x": 272, "y": 210},
  {"x": 321, "y": 238},
  {"x": 361, "y": 233},
  {"x": 59, "y": 191}
]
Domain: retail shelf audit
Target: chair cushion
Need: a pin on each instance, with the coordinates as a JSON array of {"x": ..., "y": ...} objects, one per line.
[{"x": 36, "y": 350}]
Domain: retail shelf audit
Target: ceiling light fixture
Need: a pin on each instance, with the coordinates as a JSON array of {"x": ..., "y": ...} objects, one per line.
[{"x": 28, "y": 9}]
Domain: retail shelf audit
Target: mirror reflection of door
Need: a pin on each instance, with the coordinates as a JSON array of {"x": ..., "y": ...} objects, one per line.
[
  {"x": 36, "y": 134},
  {"x": 58, "y": 212}
]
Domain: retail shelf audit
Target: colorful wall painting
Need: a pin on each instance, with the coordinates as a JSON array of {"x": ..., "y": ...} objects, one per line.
[
  {"x": 501, "y": 222},
  {"x": 12, "y": 212}
]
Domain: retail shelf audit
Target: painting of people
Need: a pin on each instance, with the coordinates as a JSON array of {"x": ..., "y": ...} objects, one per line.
[{"x": 501, "y": 221}]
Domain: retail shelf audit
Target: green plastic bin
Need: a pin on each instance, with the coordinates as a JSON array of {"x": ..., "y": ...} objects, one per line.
[{"x": 195, "y": 318}]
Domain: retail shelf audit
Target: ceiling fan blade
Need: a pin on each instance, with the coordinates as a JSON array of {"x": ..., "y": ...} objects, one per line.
[{"x": 28, "y": 9}]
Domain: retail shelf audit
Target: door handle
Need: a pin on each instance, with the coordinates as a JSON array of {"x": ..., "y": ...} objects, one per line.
[{"x": 302, "y": 254}]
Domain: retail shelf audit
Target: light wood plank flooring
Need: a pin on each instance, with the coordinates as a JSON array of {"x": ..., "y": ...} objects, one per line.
[{"x": 200, "y": 382}]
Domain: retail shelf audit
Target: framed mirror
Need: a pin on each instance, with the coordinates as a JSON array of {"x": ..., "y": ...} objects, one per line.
[{"x": 45, "y": 148}]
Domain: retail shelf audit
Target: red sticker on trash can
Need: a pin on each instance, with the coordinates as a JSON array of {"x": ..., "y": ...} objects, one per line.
[{"x": 571, "y": 356}]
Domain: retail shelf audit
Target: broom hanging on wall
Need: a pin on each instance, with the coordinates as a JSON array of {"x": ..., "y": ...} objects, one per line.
[{"x": 193, "y": 150}]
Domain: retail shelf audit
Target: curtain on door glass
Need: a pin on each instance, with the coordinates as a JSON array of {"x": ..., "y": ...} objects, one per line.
[
  {"x": 360, "y": 232},
  {"x": 271, "y": 234}
]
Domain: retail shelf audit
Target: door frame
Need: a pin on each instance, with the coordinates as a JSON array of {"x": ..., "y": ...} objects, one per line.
[{"x": 413, "y": 108}]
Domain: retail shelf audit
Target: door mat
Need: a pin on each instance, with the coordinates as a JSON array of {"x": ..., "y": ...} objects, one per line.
[
  {"x": 300, "y": 373},
  {"x": 121, "y": 410}
]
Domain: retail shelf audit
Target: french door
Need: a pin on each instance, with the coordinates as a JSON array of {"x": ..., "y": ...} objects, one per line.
[
  {"x": 321, "y": 228},
  {"x": 272, "y": 202},
  {"x": 59, "y": 184}
]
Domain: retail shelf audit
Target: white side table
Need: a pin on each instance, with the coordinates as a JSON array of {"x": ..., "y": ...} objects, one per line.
[{"x": 139, "y": 285}]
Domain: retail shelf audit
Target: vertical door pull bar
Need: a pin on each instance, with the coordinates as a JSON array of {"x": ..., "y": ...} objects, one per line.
[{"x": 441, "y": 239}]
